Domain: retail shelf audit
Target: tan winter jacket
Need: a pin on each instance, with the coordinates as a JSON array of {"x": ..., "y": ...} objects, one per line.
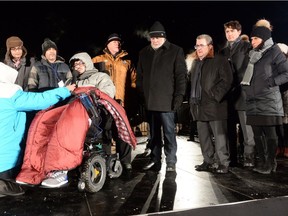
[{"x": 121, "y": 71}]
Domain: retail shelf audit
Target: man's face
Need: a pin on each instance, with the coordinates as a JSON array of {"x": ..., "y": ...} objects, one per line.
[
  {"x": 79, "y": 66},
  {"x": 114, "y": 46},
  {"x": 232, "y": 34},
  {"x": 202, "y": 48},
  {"x": 51, "y": 55},
  {"x": 157, "y": 42}
]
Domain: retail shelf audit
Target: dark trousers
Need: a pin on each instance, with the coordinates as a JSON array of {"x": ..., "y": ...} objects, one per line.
[
  {"x": 163, "y": 121},
  {"x": 123, "y": 148},
  {"x": 217, "y": 151}
]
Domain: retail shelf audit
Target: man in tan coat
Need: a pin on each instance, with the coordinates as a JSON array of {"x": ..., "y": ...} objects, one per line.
[{"x": 118, "y": 65}]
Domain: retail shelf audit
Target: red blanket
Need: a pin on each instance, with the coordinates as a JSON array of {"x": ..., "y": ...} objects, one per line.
[{"x": 56, "y": 137}]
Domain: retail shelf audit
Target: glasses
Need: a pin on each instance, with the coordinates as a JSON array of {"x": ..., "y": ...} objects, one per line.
[
  {"x": 200, "y": 46},
  {"x": 78, "y": 63},
  {"x": 16, "y": 48}
]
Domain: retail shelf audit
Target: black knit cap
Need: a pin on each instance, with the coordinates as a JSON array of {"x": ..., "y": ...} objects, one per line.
[
  {"x": 157, "y": 30},
  {"x": 113, "y": 37},
  {"x": 261, "y": 32},
  {"x": 47, "y": 45}
]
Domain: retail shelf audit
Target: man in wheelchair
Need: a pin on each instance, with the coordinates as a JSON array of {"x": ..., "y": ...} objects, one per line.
[{"x": 47, "y": 159}]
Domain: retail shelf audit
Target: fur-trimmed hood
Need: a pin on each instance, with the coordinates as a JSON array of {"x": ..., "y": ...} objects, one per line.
[{"x": 193, "y": 56}]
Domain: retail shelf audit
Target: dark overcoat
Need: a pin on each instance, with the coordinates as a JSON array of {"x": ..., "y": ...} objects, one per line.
[
  {"x": 161, "y": 76},
  {"x": 216, "y": 80}
]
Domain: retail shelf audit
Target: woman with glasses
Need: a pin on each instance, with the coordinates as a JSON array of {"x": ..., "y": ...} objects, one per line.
[{"x": 16, "y": 57}]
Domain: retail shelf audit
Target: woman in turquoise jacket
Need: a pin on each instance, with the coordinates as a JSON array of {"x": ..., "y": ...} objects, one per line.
[{"x": 13, "y": 104}]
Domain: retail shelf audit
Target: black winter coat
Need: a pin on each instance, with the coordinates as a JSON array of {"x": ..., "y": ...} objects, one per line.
[
  {"x": 161, "y": 76},
  {"x": 216, "y": 80},
  {"x": 238, "y": 57},
  {"x": 263, "y": 94}
]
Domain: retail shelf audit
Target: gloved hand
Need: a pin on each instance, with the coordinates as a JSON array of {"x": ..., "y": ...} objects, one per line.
[{"x": 177, "y": 102}]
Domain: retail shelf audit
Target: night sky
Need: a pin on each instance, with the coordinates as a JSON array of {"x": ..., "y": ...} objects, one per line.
[{"x": 85, "y": 25}]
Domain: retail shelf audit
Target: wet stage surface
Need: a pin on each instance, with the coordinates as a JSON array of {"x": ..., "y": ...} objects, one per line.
[{"x": 185, "y": 192}]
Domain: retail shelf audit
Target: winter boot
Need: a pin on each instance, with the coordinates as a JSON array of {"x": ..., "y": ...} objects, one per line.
[
  {"x": 260, "y": 145},
  {"x": 270, "y": 163}
]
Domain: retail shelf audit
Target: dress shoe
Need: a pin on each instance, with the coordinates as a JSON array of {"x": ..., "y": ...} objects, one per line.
[
  {"x": 8, "y": 188},
  {"x": 152, "y": 165},
  {"x": 203, "y": 167}
]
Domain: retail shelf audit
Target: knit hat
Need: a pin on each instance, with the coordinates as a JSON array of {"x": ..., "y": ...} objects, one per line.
[
  {"x": 113, "y": 37},
  {"x": 47, "y": 45},
  {"x": 157, "y": 30},
  {"x": 261, "y": 32},
  {"x": 13, "y": 42}
]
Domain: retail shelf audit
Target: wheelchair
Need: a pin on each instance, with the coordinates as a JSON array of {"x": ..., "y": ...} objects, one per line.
[{"x": 98, "y": 161}]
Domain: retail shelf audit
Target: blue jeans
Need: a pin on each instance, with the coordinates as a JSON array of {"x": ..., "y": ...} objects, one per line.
[{"x": 166, "y": 121}]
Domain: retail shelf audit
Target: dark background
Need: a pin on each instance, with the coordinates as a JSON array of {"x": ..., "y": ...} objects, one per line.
[{"x": 85, "y": 25}]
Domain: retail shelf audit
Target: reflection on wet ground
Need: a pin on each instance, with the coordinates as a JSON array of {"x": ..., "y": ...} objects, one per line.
[{"x": 147, "y": 192}]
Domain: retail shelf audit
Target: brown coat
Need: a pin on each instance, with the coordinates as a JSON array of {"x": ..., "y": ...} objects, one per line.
[{"x": 121, "y": 71}]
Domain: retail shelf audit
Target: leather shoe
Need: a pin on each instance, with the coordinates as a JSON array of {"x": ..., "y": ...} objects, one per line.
[
  {"x": 206, "y": 167},
  {"x": 152, "y": 165},
  {"x": 8, "y": 188}
]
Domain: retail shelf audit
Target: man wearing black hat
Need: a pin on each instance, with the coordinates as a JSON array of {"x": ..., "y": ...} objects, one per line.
[
  {"x": 267, "y": 69},
  {"x": 116, "y": 62},
  {"x": 51, "y": 72},
  {"x": 161, "y": 73}
]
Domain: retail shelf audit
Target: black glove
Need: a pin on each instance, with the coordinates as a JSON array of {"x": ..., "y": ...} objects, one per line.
[{"x": 177, "y": 102}]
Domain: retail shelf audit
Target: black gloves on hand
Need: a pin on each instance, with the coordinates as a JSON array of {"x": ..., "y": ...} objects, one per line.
[{"x": 177, "y": 102}]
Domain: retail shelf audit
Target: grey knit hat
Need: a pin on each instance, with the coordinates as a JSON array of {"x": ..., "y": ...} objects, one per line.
[{"x": 47, "y": 45}]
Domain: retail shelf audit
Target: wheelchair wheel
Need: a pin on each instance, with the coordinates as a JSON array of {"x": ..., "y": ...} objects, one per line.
[
  {"x": 94, "y": 173},
  {"x": 115, "y": 168}
]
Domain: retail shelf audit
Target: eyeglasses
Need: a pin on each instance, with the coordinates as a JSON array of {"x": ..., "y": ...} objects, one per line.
[
  {"x": 200, "y": 46},
  {"x": 78, "y": 63},
  {"x": 16, "y": 48}
]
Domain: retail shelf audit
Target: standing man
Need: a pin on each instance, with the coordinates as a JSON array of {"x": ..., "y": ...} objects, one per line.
[
  {"x": 51, "y": 72},
  {"x": 211, "y": 79},
  {"x": 236, "y": 51},
  {"x": 116, "y": 62},
  {"x": 161, "y": 76}
]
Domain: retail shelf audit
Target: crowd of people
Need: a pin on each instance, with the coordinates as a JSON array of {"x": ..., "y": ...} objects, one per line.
[{"x": 243, "y": 84}]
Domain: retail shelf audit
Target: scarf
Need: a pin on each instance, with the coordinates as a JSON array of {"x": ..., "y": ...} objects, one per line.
[
  {"x": 255, "y": 56},
  {"x": 195, "y": 95}
]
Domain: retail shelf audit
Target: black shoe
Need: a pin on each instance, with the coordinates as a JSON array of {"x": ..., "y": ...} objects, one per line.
[
  {"x": 152, "y": 165},
  {"x": 191, "y": 140},
  {"x": 8, "y": 188},
  {"x": 203, "y": 167}
]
